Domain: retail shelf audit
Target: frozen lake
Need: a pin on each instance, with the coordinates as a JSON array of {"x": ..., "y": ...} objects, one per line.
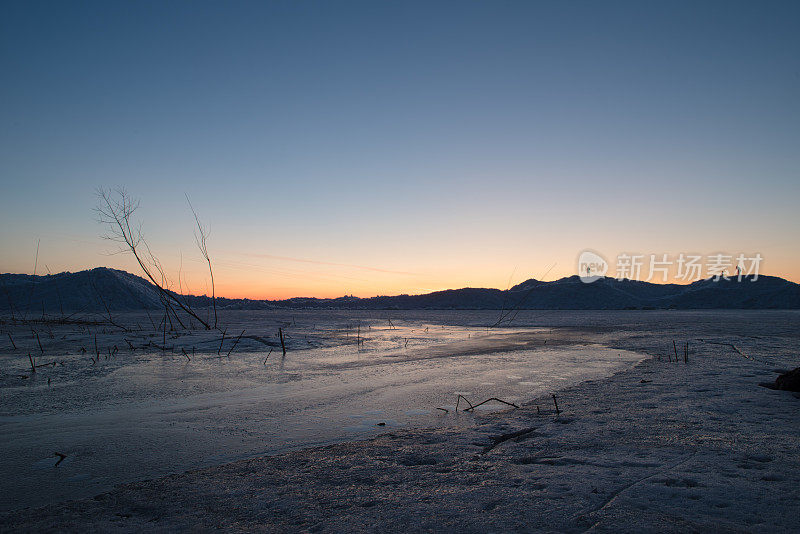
[{"x": 139, "y": 412}]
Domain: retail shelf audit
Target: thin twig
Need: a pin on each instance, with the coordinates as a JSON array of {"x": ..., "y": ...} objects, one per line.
[
  {"x": 491, "y": 399},
  {"x": 39, "y": 341},
  {"x": 221, "y": 341},
  {"x": 235, "y": 343},
  {"x": 458, "y": 399}
]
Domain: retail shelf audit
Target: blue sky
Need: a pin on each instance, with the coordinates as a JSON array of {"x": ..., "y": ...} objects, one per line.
[{"x": 451, "y": 143}]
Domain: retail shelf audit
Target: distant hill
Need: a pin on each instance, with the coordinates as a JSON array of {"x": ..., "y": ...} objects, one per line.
[
  {"x": 100, "y": 289},
  {"x": 89, "y": 291}
]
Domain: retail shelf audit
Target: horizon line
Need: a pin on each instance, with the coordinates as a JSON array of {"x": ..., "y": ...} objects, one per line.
[{"x": 729, "y": 278}]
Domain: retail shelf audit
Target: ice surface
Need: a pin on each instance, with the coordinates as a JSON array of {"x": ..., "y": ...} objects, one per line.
[
  {"x": 138, "y": 414},
  {"x": 658, "y": 447}
]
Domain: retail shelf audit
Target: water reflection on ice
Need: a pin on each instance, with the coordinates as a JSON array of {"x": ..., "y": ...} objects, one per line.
[{"x": 156, "y": 413}]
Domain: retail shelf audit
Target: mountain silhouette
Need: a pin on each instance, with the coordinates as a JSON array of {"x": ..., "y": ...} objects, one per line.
[{"x": 102, "y": 289}]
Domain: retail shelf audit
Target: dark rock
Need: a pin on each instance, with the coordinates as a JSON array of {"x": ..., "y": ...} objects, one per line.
[{"x": 789, "y": 381}]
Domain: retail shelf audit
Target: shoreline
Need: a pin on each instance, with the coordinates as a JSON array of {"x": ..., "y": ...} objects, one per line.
[{"x": 658, "y": 446}]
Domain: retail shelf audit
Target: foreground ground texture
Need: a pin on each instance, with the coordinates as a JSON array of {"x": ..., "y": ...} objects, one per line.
[{"x": 664, "y": 446}]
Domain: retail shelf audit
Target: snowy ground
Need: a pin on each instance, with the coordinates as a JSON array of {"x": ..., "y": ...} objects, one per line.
[{"x": 660, "y": 446}]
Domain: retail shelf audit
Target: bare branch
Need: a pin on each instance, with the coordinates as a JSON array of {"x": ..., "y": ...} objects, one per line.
[
  {"x": 200, "y": 238},
  {"x": 115, "y": 210}
]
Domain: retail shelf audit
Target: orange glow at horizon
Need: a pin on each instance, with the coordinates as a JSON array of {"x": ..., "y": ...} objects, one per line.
[
  {"x": 377, "y": 271},
  {"x": 254, "y": 287}
]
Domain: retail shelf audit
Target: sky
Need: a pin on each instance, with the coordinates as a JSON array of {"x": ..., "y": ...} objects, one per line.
[{"x": 373, "y": 148}]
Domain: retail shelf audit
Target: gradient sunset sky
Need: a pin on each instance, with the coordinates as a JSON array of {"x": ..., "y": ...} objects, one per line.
[{"x": 399, "y": 147}]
